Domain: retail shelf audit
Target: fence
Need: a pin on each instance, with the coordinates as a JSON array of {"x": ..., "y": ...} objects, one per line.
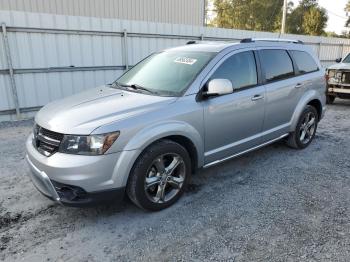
[{"x": 44, "y": 57}]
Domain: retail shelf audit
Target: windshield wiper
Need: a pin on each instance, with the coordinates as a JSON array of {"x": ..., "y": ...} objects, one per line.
[
  {"x": 135, "y": 87},
  {"x": 116, "y": 85}
]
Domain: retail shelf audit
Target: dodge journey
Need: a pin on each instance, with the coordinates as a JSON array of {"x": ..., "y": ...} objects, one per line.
[{"x": 176, "y": 111}]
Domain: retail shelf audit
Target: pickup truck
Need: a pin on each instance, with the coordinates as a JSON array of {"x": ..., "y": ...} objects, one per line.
[{"x": 338, "y": 80}]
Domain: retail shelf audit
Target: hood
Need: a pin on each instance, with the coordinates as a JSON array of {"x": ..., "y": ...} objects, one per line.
[
  {"x": 345, "y": 66},
  {"x": 84, "y": 112}
]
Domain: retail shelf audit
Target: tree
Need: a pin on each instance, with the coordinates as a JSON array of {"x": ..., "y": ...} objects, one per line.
[
  {"x": 258, "y": 15},
  {"x": 266, "y": 15},
  {"x": 347, "y": 10},
  {"x": 315, "y": 21},
  {"x": 307, "y": 18},
  {"x": 332, "y": 34}
]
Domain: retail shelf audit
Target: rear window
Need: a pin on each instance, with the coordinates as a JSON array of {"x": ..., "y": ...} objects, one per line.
[
  {"x": 304, "y": 61},
  {"x": 276, "y": 64}
]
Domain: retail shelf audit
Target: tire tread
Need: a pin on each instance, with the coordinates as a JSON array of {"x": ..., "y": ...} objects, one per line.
[
  {"x": 131, "y": 188},
  {"x": 292, "y": 138}
]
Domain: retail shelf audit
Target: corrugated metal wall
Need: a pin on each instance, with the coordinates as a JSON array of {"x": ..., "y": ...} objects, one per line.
[
  {"x": 54, "y": 56},
  {"x": 189, "y": 12}
]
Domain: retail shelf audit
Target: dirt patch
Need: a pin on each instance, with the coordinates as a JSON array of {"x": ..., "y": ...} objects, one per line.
[{"x": 8, "y": 218}]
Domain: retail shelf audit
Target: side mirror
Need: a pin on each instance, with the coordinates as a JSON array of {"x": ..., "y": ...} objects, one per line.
[
  {"x": 338, "y": 60},
  {"x": 217, "y": 87}
]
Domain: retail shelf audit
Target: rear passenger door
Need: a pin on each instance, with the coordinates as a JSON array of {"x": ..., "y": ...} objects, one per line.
[
  {"x": 282, "y": 91},
  {"x": 307, "y": 70}
]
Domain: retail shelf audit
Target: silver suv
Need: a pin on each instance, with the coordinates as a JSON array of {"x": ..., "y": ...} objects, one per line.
[{"x": 176, "y": 111}]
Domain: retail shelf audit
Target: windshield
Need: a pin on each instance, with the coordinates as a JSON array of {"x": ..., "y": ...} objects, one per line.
[
  {"x": 347, "y": 59},
  {"x": 167, "y": 73}
]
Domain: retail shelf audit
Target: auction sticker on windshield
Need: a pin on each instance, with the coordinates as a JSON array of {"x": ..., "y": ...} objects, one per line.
[{"x": 185, "y": 60}]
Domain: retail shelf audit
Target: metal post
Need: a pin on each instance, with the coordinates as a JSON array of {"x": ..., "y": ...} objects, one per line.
[
  {"x": 125, "y": 49},
  {"x": 10, "y": 68},
  {"x": 202, "y": 37},
  {"x": 205, "y": 13},
  {"x": 342, "y": 51},
  {"x": 319, "y": 50},
  {"x": 284, "y": 16}
]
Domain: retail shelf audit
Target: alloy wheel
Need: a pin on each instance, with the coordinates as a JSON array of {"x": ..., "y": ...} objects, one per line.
[
  {"x": 307, "y": 128},
  {"x": 165, "y": 177}
]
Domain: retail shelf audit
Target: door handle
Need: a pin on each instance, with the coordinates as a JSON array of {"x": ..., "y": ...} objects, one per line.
[
  {"x": 299, "y": 85},
  {"x": 257, "y": 97}
]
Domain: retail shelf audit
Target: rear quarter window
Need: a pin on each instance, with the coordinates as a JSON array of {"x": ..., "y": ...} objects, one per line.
[{"x": 304, "y": 62}]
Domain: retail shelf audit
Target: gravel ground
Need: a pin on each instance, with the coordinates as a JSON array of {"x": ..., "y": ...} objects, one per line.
[{"x": 274, "y": 204}]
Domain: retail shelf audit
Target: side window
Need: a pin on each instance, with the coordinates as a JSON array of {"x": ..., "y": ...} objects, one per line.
[
  {"x": 304, "y": 61},
  {"x": 276, "y": 64},
  {"x": 240, "y": 69}
]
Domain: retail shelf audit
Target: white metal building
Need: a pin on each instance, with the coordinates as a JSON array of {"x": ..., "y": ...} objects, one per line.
[
  {"x": 55, "y": 48},
  {"x": 189, "y": 12}
]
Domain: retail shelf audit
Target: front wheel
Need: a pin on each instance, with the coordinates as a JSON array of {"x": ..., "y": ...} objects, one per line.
[
  {"x": 159, "y": 175},
  {"x": 305, "y": 130}
]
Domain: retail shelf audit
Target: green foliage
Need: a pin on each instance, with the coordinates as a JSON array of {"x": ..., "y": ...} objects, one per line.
[
  {"x": 308, "y": 18},
  {"x": 266, "y": 15},
  {"x": 332, "y": 34},
  {"x": 347, "y": 9},
  {"x": 260, "y": 15},
  {"x": 315, "y": 20}
]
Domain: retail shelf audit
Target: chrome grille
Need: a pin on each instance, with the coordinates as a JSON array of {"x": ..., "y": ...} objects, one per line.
[{"x": 45, "y": 141}]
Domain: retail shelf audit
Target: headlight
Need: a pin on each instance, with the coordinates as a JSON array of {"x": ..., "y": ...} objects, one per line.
[
  {"x": 331, "y": 73},
  {"x": 87, "y": 145},
  {"x": 35, "y": 130}
]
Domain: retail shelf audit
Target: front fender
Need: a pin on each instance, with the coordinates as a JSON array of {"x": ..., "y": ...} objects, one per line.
[
  {"x": 306, "y": 98},
  {"x": 146, "y": 136},
  {"x": 150, "y": 134}
]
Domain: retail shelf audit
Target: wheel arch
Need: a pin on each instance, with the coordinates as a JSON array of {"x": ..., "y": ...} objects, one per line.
[
  {"x": 317, "y": 105},
  {"x": 309, "y": 98},
  {"x": 189, "y": 146},
  {"x": 180, "y": 132}
]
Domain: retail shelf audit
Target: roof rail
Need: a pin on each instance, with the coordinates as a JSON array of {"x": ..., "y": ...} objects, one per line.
[
  {"x": 250, "y": 40},
  {"x": 247, "y": 40},
  {"x": 191, "y": 42}
]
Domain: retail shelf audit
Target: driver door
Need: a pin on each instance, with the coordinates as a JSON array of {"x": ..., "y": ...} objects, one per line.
[{"x": 234, "y": 122}]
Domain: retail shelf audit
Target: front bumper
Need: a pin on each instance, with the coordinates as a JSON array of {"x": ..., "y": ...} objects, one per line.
[
  {"x": 42, "y": 182},
  {"x": 338, "y": 90},
  {"x": 75, "y": 180},
  {"x": 69, "y": 195}
]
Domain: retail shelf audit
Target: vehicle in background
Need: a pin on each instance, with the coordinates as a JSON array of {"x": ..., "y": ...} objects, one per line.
[
  {"x": 338, "y": 80},
  {"x": 175, "y": 112}
]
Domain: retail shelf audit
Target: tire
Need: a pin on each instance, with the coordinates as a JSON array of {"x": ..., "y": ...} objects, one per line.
[
  {"x": 301, "y": 137},
  {"x": 330, "y": 99},
  {"x": 152, "y": 186}
]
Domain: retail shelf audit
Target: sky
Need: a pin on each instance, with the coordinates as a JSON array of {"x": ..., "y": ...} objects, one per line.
[{"x": 335, "y": 12}]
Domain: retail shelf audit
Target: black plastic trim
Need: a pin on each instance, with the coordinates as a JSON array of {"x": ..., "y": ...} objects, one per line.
[{"x": 74, "y": 196}]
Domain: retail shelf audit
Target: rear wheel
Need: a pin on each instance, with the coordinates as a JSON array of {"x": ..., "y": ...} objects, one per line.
[
  {"x": 330, "y": 99},
  {"x": 159, "y": 175},
  {"x": 305, "y": 130}
]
